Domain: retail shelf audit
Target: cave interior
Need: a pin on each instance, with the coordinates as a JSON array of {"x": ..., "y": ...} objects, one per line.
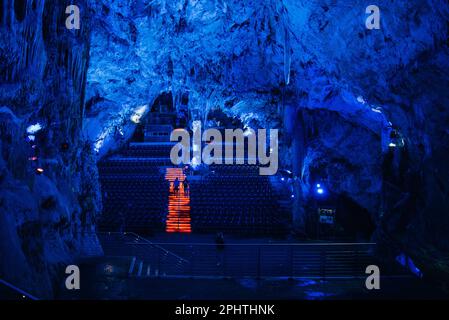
[{"x": 86, "y": 113}]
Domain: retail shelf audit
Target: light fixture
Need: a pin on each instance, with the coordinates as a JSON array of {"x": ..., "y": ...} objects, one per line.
[
  {"x": 139, "y": 112},
  {"x": 109, "y": 269},
  {"x": 34, "y": 128},
  {"x": 319, "y": 189},
  {"x": 248, "y": 132},
  {"x": 39, "y": 171},
  {"x": 392, "y": 145},
  {"x": 64, "y": 146},
  {"x": 361, "y": 100}
]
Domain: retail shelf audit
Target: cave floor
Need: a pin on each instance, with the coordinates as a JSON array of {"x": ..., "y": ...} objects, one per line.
[{"x": 392, "y": 288}]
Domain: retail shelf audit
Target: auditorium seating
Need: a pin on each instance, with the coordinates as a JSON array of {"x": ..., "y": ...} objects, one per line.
[
  {"x": 157, "y": 132},
  {"x": 148, "y": 150},
  {"x": 236, "y": 204},
  {"x": 236, "y": 169},
  {"x": 229, "y": 198},
  {"x": 134, "y": 194}
]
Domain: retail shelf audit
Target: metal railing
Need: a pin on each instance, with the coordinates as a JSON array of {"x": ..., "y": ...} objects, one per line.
[
  {"x": 9, "y": 291},
  {"x": 146, "y": 256},
  {"x": 275, "y": 260},
  {"x": 280, "y": 260}
]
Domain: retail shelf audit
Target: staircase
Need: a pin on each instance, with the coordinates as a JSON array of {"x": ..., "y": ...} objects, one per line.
[
  {"x": 178, "y": 217},
  {"x": 145, "y": 258}
]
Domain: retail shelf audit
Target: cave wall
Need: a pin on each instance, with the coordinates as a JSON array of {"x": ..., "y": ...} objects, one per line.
[
  {"x": 45, "y": 218},
  {"x": 310, "y": 68},
  {"x": 269, "y": 61},
  {"x": 400, "y": 72}
]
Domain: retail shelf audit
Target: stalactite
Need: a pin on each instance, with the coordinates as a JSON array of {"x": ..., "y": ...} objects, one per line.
[{"x": 287, "y": 57}]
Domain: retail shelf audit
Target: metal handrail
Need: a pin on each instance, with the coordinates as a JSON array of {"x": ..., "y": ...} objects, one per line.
[
  {"x": 147, "y": 242},
  {"x": 203, "y": 260},
  {"x": 324, "y": 260},
  {"x": 265, "y": 244},
  {"x": 22, "y": 292},
  {"x": 157, "y": 245}
]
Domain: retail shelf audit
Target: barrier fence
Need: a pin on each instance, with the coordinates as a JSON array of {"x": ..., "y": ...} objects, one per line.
[{"x": 308, "y": 260}]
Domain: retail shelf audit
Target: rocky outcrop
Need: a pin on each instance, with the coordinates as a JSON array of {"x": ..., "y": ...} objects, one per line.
[{"x": 49, "y": 192}]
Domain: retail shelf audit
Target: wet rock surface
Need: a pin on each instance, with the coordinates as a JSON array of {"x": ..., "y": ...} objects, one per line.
[{"x": 49, "y": 192}]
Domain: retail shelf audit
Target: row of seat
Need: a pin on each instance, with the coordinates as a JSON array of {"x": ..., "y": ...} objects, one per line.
[
  {"x": 236, "y": 199},
  {"x": 236, "y": 169},
  {"x": 132, "y": 195},
  {"x": 127, "y": 185},
  {"x": 148, "y": 151},
  {"x": 231, "y": 198},
  {"x": 239, "y": 190},
  {"x": 137, "y": 162},
  {"x": 223, "y": 178},
  {"x": 112, "y": 171}
]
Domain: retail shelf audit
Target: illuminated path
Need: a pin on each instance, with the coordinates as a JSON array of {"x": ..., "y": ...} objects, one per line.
[{"x": 178, "y": 217}]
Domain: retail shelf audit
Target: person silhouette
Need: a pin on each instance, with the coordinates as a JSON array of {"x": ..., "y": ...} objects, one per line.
[
  {"x": 220, "y": 245},
  {"x": 176, "y": 185},
  {"x": 185, "y": 184}
]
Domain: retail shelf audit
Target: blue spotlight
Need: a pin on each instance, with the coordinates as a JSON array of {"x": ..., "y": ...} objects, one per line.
[{"x": 319, "y": 189}]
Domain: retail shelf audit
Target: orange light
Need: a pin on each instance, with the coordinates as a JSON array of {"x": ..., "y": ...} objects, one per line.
[{"x": 178, "y": 217}]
